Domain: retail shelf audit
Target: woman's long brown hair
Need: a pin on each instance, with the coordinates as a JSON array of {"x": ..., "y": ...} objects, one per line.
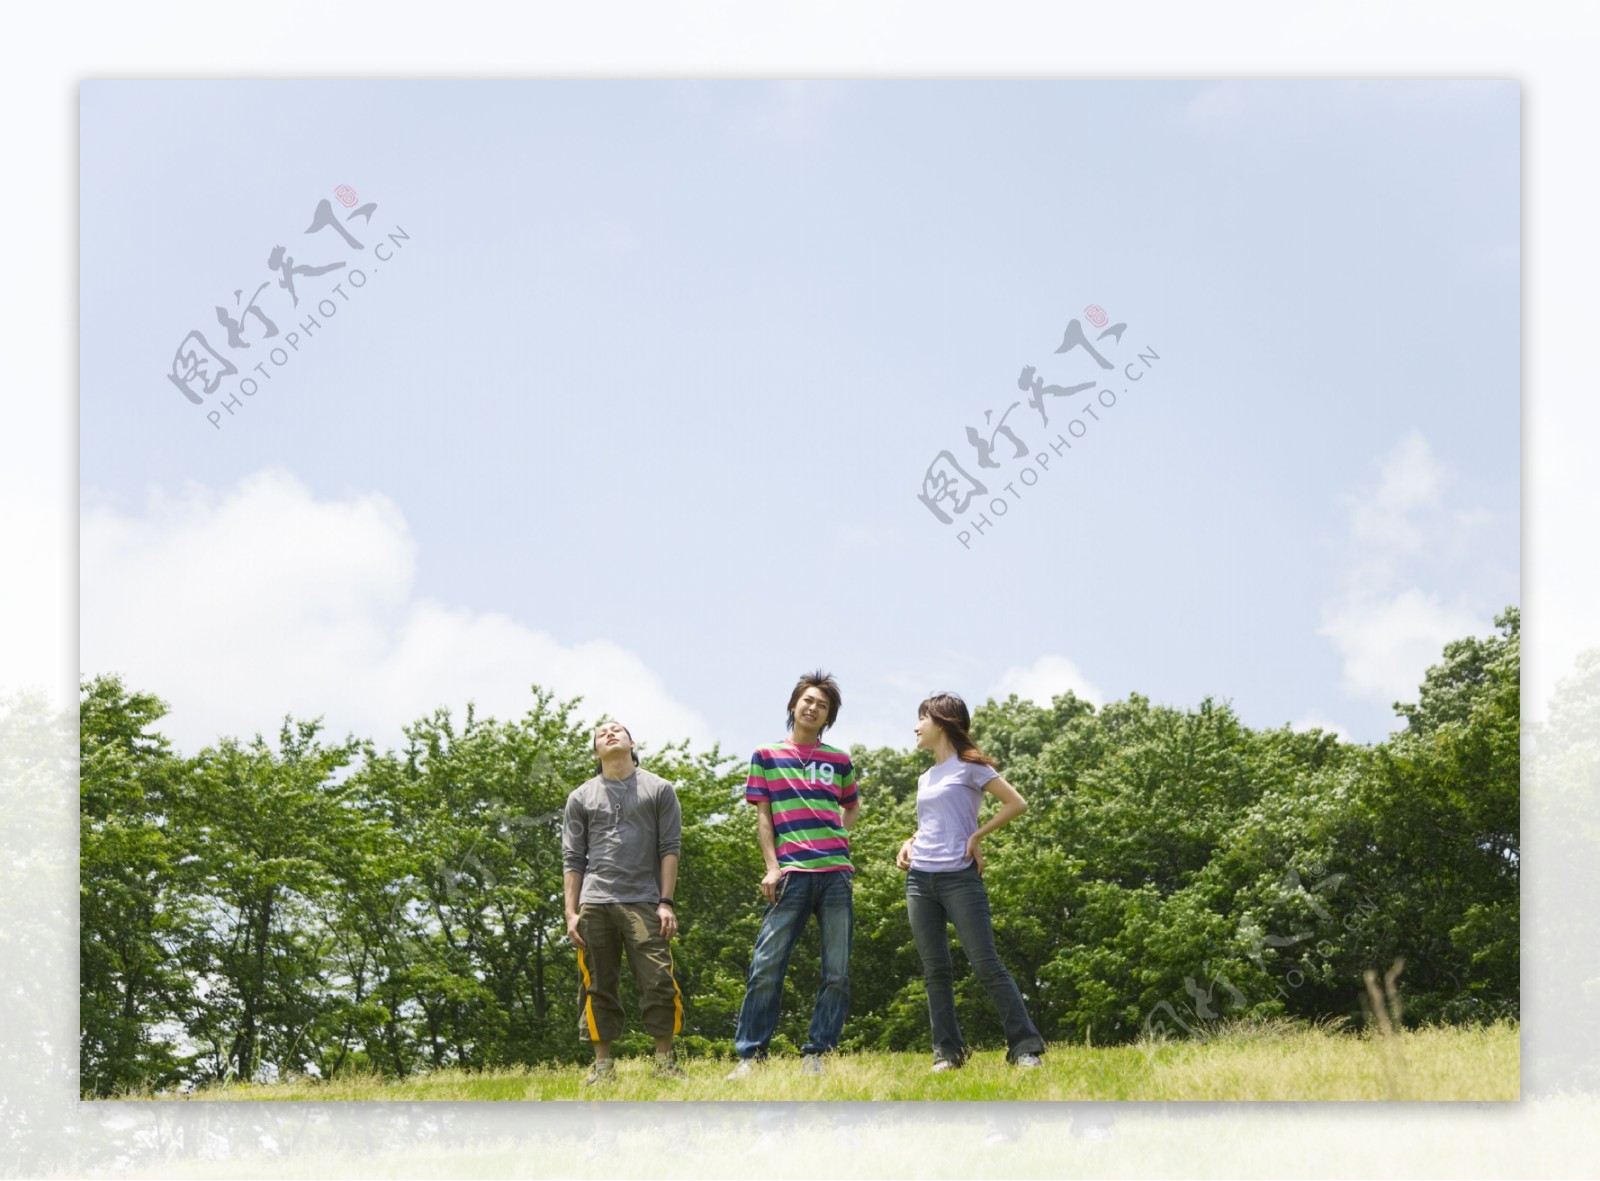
[{"x": 950, "y": 712}]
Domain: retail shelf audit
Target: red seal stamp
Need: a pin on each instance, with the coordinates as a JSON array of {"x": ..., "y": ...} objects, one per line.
[
  {"x": 346, "y": 195},
  {"x": 1096, "y": 314}
]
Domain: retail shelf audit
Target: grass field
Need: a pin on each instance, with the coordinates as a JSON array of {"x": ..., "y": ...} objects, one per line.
[{"x": 1271, "y": 1062}]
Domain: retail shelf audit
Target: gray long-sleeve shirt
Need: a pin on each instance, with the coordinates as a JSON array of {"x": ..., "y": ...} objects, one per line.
[{"x": 616, "y": 833}]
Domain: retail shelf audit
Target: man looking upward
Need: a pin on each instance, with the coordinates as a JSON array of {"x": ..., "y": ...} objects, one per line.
[
  {"x": 619, "y": 852},
  {"x": 805, "y": 793}
]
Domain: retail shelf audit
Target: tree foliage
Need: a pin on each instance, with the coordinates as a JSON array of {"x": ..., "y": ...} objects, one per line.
[{"x": 311, "y": 907}]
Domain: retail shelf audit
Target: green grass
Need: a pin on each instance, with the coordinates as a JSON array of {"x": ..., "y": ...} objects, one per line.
[{"x": 1272, "y": 1062}]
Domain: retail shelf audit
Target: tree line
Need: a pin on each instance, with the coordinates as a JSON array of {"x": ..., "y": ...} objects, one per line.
[{"x": 316, "y": 907}]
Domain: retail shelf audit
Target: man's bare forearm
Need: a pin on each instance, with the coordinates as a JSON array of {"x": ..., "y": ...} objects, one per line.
[{"x": 767, "y": 837}]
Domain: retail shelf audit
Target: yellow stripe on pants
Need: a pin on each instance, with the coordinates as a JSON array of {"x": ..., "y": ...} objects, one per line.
[
  {"x": 588, "y": 998},
  {"x": 677, "y": 995}
]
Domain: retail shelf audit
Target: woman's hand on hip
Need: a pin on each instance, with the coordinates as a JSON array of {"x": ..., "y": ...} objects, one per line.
[{"x": 975, "y": 850}]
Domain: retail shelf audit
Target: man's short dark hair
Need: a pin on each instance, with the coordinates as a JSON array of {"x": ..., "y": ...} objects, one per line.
[
  {"x": 594, "y": 743},
  {"x": 829, "y": 687}
]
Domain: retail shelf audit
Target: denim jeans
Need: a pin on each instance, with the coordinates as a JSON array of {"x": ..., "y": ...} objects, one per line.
[
  {"x": 800, "y": 895},
  {"x": 958, "y": 896}
]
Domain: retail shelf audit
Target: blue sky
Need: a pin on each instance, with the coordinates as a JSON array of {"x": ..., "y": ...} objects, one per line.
[{"x": 641, "y": 406}]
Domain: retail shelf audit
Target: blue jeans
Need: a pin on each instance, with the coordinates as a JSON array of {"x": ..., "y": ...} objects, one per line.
[
  {"x": 800, "y": 895},
  {"x": 932, "y": 899}
]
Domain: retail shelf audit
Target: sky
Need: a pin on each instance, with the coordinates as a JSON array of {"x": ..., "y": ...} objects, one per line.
[{"x": 641, "y": 382}]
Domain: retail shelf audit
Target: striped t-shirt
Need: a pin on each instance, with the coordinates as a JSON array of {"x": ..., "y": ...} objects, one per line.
[{"x": 809, "y": 789}]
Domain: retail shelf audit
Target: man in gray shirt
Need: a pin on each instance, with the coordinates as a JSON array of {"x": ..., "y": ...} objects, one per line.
[{"x": 619, "y": 851}]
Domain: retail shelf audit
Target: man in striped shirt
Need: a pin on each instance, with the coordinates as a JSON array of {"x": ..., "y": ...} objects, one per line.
[{"x": 805, "y": 792}]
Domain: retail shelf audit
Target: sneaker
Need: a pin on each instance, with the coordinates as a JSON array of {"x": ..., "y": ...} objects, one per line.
[
  {"x": 667, "y": 1067},
  {"x": 746, "y": 1067},
  {"x": 811, "y": 1064},
  {"x": 943, "y": 1065},
  {"x": 604, "y": 1070},
  {"x": 1028, "y": 1060}
]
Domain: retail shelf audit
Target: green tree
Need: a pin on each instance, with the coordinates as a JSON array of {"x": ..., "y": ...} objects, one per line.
[
  {"x": 474, "y": 969},
  {"x": 131, "y": 919},
  {"x": 1443, "y": 804},
  {"x": 261, "y": 831}
]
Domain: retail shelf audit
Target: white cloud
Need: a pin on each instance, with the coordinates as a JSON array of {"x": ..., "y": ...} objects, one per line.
[
  {"x": 1410, "y": 484},
  {"x": 1044, "y": 679},
  {"x": 1387, "y": 628},
  {"x": 1388, "y": 642},
  {"x": 237, "y": 609},
  {"x": 1313, "y": 721}
]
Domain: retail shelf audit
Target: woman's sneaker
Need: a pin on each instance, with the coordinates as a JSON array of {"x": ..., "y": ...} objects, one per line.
[
  {"x": 943, "y": 1065},
  {"x": 745, "y": 1068},
  {"x": 1028, "y": 1060}
]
